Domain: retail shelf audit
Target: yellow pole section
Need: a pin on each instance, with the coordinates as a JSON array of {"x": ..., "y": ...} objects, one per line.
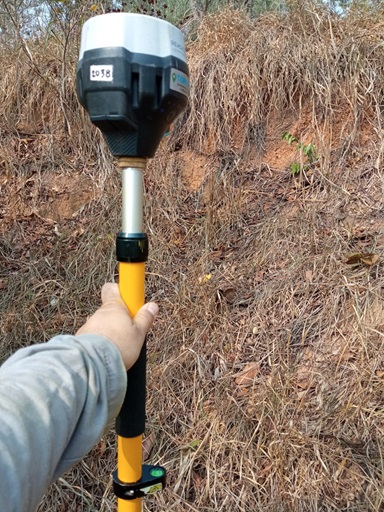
[
  {"x": 129, "y": 450},
  {"x": 131, "y": 285},
  {"x": 129, "y": 457}
]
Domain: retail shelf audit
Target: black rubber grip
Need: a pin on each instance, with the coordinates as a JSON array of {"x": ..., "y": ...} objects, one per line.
[{"x": 131, "y": 419}]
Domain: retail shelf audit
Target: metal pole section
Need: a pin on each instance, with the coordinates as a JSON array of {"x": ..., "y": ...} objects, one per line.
[{"x": 132, "y": 198}]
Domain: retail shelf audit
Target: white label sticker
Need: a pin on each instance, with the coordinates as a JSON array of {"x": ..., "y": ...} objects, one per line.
[
  {"x": 179, "y": 82},
  {"x": 101, "y": 73}
]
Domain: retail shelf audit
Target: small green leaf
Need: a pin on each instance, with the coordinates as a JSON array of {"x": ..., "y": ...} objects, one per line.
[
  {"x": 295, "y": 168},
  {"x": 289, "y": 137},
  {"x": 192, "y": 445}
]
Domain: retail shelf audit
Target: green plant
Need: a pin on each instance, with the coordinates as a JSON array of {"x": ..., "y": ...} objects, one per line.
[{"x": 308, "y": 150}]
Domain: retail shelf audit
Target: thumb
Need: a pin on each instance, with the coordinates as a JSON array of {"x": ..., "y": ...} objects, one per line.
[{"x": 145, "y": 317}]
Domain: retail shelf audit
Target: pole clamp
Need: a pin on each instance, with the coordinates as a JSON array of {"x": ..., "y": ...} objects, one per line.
[{"x": 153, "y": 479}]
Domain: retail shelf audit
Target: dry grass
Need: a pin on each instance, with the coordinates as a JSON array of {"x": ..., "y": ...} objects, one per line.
[
  {"x": 249, "y": 268},
  {"x": 250, "y": 69},
  {"x": 302, "y": 435}
]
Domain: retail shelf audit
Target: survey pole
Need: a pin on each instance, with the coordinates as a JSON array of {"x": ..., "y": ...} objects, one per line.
[{"x": 133, "y": 80}]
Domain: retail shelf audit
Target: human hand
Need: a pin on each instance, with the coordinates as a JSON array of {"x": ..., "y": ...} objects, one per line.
[{"x": 112, "y": 321}]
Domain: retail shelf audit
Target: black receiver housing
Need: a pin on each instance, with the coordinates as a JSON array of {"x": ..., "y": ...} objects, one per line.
[{"x": 134, "y": 109}]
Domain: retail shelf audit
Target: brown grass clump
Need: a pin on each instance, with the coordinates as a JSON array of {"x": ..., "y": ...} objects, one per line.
[
  {"x": 279, "y": 63},
  {"x": 266, "y": 365}
]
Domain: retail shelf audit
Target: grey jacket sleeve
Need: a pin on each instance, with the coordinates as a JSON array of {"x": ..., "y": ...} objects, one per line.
[{"x": 56, "y": 400}]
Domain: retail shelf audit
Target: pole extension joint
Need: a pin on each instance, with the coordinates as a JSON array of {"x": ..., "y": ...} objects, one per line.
[
  {"x": 153, "y": 479},
  {"x": 132, "y": 248}
]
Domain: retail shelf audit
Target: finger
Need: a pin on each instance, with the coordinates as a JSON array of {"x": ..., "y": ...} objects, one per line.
[{"x": 145, "y": 317}]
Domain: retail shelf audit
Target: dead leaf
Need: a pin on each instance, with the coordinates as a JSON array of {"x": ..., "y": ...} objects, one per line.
[
  {"x": 242, "y": 391},
  {"x": 347, "y": 355},
  {"x": 259, "y": 276},
  {"x": 218, "y": 254},
  {"x": 309, "y": 276},
  {"x": 370, "y": 259},
  {"x": 102, "y": 446},
  {"x": 263, "y": 473},
  {"x": 340, "y": 468},
  {"x": 357, "y": 258},
  {"x": 247, "y": 375},
  {"x": 229, "y": 294},
  {"x": 148, "y": 443},
  {"x": 198, "y": 481},
  {"x": 304, "y": 377}
]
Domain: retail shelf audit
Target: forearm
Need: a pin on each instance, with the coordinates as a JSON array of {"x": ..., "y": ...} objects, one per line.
[{"x": 56, "y": 400}]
